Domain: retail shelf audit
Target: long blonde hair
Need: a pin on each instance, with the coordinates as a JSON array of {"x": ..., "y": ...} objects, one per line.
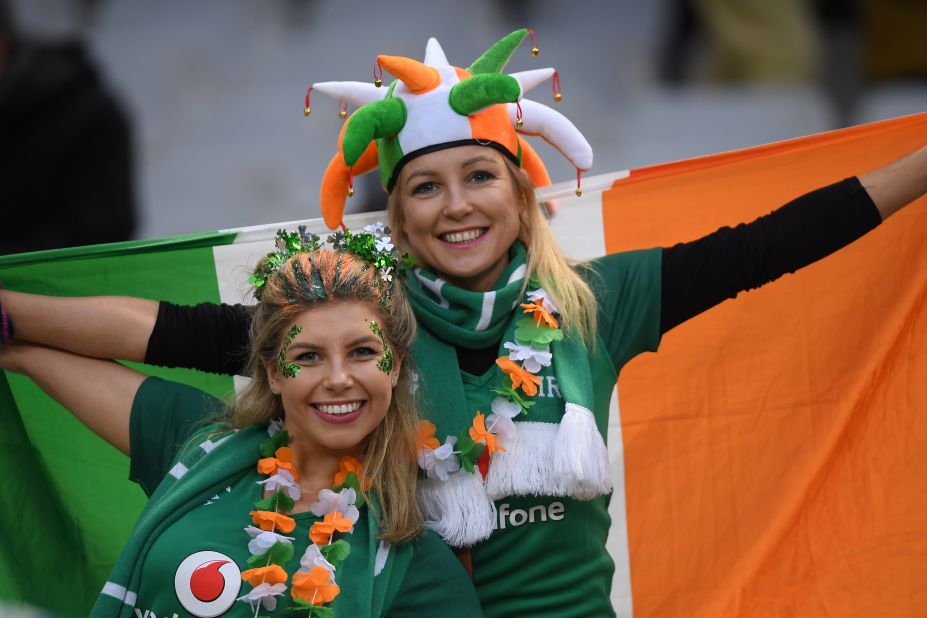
[
  {"x": 308, "y": 280},
  {"x": 546, "y": 262}
]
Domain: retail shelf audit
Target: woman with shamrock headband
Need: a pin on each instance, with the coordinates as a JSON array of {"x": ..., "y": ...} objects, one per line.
[
  {"x": 517, "y": 350},
  {"x": 253, "y": 515}
]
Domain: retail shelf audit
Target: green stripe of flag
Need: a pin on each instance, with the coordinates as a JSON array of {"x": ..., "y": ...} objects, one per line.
[
  {"x": 66, "y": 506},
  {"x": 116, "y": 249}
]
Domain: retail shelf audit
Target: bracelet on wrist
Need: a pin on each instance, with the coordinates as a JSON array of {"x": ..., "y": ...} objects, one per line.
[{"x": 7, "y": 332}]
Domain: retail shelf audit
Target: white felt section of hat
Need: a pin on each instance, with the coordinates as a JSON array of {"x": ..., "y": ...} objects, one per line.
[
  {"x": 530, "y": 79},
  {"x": 434, "y": 54},
  {"x": 429, "y": 117},
  {"x": 556, "y": 129},
  {"x": 355, "y": 93}
]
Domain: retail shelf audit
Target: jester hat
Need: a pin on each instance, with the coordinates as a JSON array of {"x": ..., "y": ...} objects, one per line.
[{"x": 433, "y": 105}]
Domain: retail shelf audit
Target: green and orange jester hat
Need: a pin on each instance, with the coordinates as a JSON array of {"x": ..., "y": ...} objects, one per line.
[{"x": 431, "y": 106}]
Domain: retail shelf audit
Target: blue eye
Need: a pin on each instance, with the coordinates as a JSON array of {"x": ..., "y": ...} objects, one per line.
[
  {"x": 482, "y": 176},
  {"x": 306, "y": 357},
  {"x": 364, "y": 352},
  {"x": 425, "y": 187}
]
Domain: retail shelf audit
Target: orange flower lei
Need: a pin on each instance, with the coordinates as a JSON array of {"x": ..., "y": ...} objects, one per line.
[
  {"x": 527, "y": 355},
  {"x": 520, "y": 377},
  {"x": 479, "y": 434},
  {"x": 313, "y": 584}
]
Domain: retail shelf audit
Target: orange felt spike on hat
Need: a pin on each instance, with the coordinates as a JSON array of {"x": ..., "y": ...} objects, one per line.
[
  {"x": 335, "y": 182},
  {"x": 419, "y": 78}
]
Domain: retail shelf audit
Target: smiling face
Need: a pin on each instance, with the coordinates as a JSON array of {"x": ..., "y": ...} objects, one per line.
[
  {"x": 459, "y": 214},
  {"x": 339, "y": 395}
]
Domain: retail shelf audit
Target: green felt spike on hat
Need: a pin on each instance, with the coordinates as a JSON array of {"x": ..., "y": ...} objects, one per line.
[
  {"x": 433, "y": 105},
  {"x": 373, "y": 121},
  {"x": 483, "y": 90},
  {"x": 497, "y": 57}
]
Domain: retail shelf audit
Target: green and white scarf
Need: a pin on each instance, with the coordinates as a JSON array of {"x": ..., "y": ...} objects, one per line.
[
  {"x": 550, "y": 455},
  {"x": 205, "y": 467}
]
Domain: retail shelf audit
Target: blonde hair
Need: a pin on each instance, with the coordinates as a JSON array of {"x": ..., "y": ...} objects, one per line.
[
  {"x": 309, "y": 280},
  {"x": 546, "y": 262}
]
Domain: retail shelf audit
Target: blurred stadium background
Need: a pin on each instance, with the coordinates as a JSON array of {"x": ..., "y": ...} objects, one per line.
[{"x": 214, "y": 89}]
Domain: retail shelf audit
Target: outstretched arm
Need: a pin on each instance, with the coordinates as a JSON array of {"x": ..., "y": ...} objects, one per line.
[
  {"x": 700, "y": 274},
  {"x": 99, "y": 393},
  {"x": 897, "y": 184},
  {"x": 97, "y": 326},
  {"x": 208, "y": 337}
]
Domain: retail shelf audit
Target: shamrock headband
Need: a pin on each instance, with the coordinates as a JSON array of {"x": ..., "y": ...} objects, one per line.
[
  {"x": 372, "y": 244},
  {"x": 433, "y": 105}
]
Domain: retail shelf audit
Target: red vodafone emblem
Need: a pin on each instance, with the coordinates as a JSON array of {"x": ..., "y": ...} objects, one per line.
[{"x": 207, "y": 583}]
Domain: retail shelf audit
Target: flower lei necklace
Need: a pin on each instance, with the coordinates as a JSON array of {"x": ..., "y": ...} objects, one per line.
[
  {"x": 473, "y": 445},
  {"x": 313, "y": 584}
]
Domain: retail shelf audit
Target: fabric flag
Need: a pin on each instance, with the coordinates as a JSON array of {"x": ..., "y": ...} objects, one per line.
[
  {"x": 769, "y": 460},
  {"x": 67, "y": 507},
  {"x": 775, "y": 448}
]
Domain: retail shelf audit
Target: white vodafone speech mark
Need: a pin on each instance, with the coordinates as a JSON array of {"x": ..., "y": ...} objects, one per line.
[{"x": 207, "y": 583}]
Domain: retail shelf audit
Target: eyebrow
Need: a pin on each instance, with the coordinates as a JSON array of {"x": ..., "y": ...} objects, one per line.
[
  {"x": 307, "y": 345},
  {"x": 365, "y": 339},
  {"x": 470, "y": 161},
  {"x": 477, "y": 159}
]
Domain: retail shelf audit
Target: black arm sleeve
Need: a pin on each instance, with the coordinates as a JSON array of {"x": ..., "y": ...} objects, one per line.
[
  {"x": 207, "y": 337},
  {"x": 700, "y": 274}
]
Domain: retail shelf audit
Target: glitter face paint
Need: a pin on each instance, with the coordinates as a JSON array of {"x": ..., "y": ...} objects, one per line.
[
  {"x": 385, "y": 364},
  {"x": 286, "y": 368}
]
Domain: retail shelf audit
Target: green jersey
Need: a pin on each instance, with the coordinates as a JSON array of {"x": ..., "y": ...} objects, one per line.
[
  {"x": 547, "y": 556},
  {"x": 193, "y": 567}
]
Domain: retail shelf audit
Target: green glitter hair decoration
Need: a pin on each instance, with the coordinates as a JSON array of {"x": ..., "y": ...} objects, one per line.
[
  {"x": 286, "y": 368},
  {"x": 288, "y": 244},
  {"x": 373, "y": 245},
  {"x": 385, "y": 364},
  {"x": 302, "y": 281}
]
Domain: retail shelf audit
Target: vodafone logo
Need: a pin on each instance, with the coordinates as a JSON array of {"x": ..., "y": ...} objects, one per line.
[{"x": 207, "y": 583}]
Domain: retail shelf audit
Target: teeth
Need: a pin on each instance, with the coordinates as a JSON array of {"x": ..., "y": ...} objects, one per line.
[
  {"x": 339, "y": 409},
  {"x": 465, "y": 236}
]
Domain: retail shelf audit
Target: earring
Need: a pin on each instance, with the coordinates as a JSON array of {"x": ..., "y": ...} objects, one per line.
[
  {"x": 395, "y": 380},
  {"x": 273, "y": 389}
]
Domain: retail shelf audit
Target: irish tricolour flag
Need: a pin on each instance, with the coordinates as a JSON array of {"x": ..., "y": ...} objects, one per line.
[{"x": 770, "y": 460}]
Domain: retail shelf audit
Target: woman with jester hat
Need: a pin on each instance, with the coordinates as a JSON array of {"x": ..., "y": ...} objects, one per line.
[
  {"x": 299, "y": 498},
  {"x": 517, "y": 351}
]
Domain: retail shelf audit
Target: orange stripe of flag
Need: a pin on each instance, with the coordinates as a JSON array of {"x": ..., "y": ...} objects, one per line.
[{"x": 776, "y": 446}]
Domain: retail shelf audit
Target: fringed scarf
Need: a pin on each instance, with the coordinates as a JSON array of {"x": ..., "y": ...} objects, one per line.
[{"x": 550, "y": 455}]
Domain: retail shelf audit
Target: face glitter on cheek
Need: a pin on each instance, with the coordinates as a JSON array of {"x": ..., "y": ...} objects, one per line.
[
  {"x": 286, "y": 368},
  {"x": 385, "y": 364}
]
